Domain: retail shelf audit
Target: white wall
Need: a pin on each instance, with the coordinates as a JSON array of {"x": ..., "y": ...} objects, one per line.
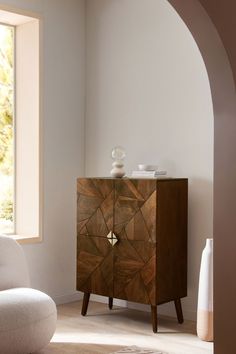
[
  {"x": 52, "y": 262},
  {"x": 148, "y": 90}
]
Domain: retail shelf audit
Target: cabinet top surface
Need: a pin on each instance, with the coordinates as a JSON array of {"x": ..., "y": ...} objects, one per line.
[{"x": 161, "y": 179}]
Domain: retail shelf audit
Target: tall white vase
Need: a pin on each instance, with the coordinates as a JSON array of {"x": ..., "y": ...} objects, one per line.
[{"x": 205, "y": 294}]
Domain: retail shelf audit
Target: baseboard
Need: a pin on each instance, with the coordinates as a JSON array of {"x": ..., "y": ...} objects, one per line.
[
  {"x": 77, "y": 296},
  {"x": 64, "y": 299},
  {"x": 104, "y": 300},
  {"x": 169, "y": 310},
  {"x": 165, "y": 310}
]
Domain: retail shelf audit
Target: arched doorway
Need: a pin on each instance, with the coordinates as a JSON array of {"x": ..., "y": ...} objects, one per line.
[{"x": 223, "y": 95}]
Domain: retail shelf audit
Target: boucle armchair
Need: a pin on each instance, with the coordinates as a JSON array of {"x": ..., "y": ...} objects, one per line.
[{"x": 27, "y": 316}]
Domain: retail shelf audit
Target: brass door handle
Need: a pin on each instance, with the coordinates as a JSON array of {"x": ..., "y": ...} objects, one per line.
[{"x": 112, "y": 238}]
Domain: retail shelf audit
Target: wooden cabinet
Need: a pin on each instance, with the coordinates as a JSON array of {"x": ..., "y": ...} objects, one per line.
[{"x": 132, "y": 240}]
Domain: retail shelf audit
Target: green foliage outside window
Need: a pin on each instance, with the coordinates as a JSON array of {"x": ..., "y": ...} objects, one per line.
[{"x": 6, "y": 127}]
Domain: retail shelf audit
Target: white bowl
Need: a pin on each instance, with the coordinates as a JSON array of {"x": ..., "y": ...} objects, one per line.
[{"x": 144, "y": 167}]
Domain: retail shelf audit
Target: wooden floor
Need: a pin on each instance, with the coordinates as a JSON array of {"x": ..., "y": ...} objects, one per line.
[{"x": 104, "y": 331}]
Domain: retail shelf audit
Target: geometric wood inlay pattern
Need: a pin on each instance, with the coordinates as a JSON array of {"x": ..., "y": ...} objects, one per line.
[
  {"x": 95, "y": 206},
  {"x": 94, "y": 265},
  {"x": 135, "y": 210},
  {"x": 108, "y": 207},
  {"x": 135, "y": 271}
]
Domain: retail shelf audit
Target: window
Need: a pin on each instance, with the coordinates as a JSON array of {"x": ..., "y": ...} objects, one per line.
[
  {"x": 20, "y": 181},
  {"x": 6, "y": 129}
]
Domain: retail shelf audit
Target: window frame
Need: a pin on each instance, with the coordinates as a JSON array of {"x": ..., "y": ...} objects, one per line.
[{"x": 37, "y": 18}]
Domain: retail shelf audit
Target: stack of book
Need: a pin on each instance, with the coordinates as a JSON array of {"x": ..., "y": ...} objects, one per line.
[{"x": 149, "y": 174}]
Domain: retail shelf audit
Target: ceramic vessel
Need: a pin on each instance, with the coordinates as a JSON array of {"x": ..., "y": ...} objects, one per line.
[
  {"x": 118, "y": 155},
  {"x": 117, "y": 170},
  {"x": 144, "y": 167},
  {"x": 205, "y": 294}
]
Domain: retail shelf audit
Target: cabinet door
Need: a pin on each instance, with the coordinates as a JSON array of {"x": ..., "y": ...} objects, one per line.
[
  {"x": 94, "y": 265},
  {"x": 135, "y": 251},
  {"x": 135, "y": 209},
  {"x": 135, "y": 271},
  {"x": 95, "y": 199}
]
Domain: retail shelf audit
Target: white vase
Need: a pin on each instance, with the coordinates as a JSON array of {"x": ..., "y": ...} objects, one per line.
[{"x": 205, "y": 294}]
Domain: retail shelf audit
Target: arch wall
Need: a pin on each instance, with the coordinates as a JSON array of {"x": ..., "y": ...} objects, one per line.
[{"x": 211, "y": 24}]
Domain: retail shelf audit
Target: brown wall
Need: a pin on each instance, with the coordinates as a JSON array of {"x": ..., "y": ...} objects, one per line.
[
  {"x": 221, "y": 72},
  {"x": 223, "y": 15}
]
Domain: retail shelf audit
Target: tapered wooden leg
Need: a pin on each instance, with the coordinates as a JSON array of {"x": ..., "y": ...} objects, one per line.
[
  {"x": 179, "y": 312},
  {"x": 154, "y": 318},
  {"x": 85, "y": 304},
  {"x": 110, "y": 304}
]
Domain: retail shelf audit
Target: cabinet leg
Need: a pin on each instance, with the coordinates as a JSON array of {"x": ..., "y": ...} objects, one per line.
[
  {"x": 110, "y": 304},
  {"x": 154, "y": 318},
  {"x": 178, "y": 308},
  {"x": 85, "y": 304}
]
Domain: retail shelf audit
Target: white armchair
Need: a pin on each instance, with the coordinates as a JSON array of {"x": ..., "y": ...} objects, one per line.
[{"x": 27, "y": 316}]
